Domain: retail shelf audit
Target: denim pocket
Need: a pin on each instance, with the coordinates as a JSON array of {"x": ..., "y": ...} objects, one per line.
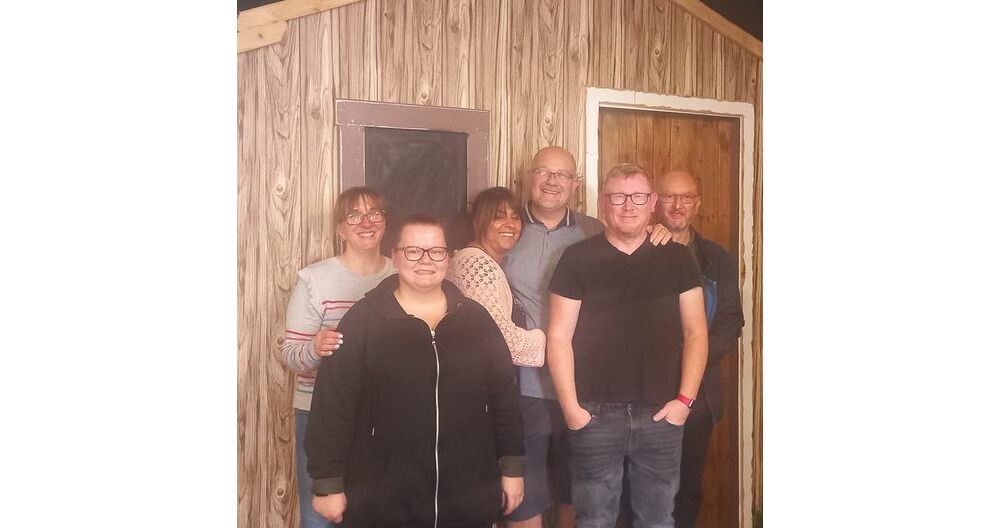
[{"x": 590, "y": 408}]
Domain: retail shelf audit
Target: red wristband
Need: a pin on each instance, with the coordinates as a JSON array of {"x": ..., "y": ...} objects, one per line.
[{"x": 685, "y": 400}]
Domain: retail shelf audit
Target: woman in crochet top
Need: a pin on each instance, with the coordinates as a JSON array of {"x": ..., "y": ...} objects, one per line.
[{"x": 476, "y": 271}]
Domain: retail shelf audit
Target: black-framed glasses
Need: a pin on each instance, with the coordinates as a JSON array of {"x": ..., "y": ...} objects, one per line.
[
  {"x": 563, "y": 176},
  {"x": 374, "y": 216},
  {"x": 619, "y": 198},
  {"x": 686, "y": 199},
  {"x": 415, "y": 253}
]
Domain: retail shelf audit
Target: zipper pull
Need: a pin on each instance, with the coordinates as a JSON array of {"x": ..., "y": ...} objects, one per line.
[{"x": 373, "y": 431}]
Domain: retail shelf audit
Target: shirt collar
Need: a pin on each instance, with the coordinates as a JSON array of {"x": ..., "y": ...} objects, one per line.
[{"x": 567, "y": 221}]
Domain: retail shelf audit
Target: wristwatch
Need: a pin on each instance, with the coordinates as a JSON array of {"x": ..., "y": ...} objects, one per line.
[{"x": 685, "y": 400}]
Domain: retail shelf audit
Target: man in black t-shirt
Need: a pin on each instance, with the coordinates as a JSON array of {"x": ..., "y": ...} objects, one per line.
[{"x": 627, "y": 347}]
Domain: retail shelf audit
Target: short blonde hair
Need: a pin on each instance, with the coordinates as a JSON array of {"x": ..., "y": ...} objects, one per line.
[{"x": 627, "y": 170}]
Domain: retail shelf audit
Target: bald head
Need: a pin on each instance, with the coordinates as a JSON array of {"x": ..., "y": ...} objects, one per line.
[
  {"x": 554, "y": 157},
  {"x": 678, "y": 177},
  {"x": 552, "y": 181},
  {"x": 676, "y": 187}
]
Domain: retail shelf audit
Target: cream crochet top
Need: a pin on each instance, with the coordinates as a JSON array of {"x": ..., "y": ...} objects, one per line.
[{"x": 481, "y": 279}]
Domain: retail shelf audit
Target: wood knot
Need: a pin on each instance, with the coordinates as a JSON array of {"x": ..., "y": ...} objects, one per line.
[
  {"x": 657, "y": 51},
  {"x": 280, "y": 492},
  {"x": 423, "y": 96},
  {"x": 279, "y": 188}
]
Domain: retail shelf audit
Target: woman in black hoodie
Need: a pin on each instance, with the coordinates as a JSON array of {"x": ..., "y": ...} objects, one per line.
[{"x": 415, "y": 419}]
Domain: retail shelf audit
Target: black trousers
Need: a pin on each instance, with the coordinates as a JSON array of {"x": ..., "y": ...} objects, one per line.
[{"x": 697, "y": 433}]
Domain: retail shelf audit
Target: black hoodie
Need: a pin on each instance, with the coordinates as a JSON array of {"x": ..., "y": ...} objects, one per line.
[{"x": 416, "y": 429}]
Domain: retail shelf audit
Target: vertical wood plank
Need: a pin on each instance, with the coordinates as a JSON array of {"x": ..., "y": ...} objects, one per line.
[
  {"x": 427, "y": 16},
  {"x": 681, "y": 58},
  {"x": 636, "y": 53},
  {"x": 524, "y": 21},
  {"x": 393, "y": 48},
  {"x": 317, "y": 138},
  {"x": 758, "y": 460},
  {"x": 547, "y": 74},
  {"x": 715, "y": 184},
  {"x": 574, "y": 96},
  {"x": 488, "y": 79},
  {"x": 704, "y": 62},
  {"x": 658, "y": 13},
  {"x": 682, "y": 133},
  {"x": 371, "y": 51},
  {"x": 601, "y": 51},
  {"x": 338, "y": 82},
  {"x": 718, "y": 64},
  {"x": 457, "y": 34},
  {"x": 618, "y": 44},
  {"x": 353, "y": 69},
  {"x": 645, "y": 141},
  {"x": 607, "y": 140},
  {"x": 282, "y": 258},
  {"x": 506, "y": 166},
  {"x": 247, "y": 253},
  {"x": 661, "y": 148}
]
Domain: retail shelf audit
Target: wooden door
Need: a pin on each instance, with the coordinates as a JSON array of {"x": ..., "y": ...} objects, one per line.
[{"x": 708, "y": 147}]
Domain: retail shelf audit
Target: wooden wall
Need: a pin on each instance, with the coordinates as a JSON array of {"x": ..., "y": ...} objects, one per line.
[{"x": 526, "y": 61}]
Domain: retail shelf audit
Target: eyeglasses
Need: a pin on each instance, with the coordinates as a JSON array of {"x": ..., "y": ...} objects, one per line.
[
  {"x": 562, "y": 176},
  {"x": 686, "y": 199},
  {"x": 415, "y": 253},
  {"x": 374, "y": 216},
  {"x": 619, "y": 198}
]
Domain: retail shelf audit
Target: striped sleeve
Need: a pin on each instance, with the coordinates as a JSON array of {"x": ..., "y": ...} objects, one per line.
[{"x": 302, "y": 323}]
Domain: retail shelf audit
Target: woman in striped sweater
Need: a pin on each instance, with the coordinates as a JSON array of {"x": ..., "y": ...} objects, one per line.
[{"x": 322, "y": 295}]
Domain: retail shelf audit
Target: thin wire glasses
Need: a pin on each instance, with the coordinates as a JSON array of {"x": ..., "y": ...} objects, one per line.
[
  {"x": 686, "y": 199},
  {"x": 374, "y": 216},
  {"x": 562, "y": 176}
]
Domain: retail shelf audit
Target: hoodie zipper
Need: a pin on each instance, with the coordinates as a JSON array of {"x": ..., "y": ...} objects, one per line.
[{"x": 437, "y": 424}]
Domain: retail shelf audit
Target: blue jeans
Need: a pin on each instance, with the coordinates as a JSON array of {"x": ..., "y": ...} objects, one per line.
[
  {"x": 308, "y": 518},
  {"x": 622, "y": 433}
]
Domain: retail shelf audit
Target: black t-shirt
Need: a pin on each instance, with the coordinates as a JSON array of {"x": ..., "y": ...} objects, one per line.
[{"x": 628, "y": 338}]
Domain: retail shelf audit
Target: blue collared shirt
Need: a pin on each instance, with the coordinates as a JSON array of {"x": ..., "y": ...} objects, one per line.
[{"x": 529, "y": 268}]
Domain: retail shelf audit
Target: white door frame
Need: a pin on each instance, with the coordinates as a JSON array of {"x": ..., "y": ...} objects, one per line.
[{"x": 598, "y": 98}]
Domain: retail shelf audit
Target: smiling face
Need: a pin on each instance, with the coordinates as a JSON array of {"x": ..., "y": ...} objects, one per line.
[
  {"x": 424, "y": 274},
  {"x": 671, "y": 212},
  {"x": 627, "y": 220},
  {"x": 367, "y": 235},
  {"x": 503, "y": 232},
  {"x": 549, "y": 192}
]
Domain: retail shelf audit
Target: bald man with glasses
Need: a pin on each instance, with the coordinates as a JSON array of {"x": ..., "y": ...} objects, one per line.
[{"x": 677, "y": 207}]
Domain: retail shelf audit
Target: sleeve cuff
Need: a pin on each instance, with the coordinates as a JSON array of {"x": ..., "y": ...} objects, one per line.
[
  {"x": 511, "y": 466},
  {"x": 328, "y": 486}
]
